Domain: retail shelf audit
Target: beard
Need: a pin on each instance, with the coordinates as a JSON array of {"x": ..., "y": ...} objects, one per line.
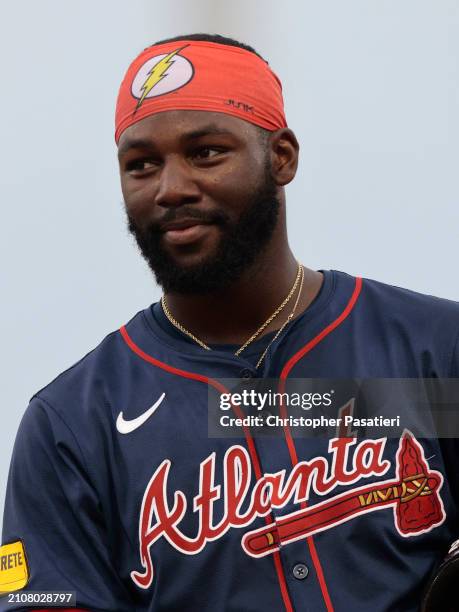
[{"x": 240, "y": 244}]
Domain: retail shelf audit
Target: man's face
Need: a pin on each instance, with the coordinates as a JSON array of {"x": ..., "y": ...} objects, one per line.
[{"x": 199, "y": 197}]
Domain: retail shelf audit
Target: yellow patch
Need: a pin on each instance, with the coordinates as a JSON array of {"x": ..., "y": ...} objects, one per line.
[{"x": 14, "y": 573}]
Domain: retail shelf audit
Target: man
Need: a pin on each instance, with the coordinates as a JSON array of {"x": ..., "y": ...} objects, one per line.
[{"x": 116, "y": 490}]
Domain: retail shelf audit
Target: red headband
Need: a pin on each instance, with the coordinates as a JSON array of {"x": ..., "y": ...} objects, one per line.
[{"x": 198, "y": 75}]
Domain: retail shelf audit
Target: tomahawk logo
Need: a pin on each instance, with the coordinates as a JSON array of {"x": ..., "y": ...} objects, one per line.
[{"x": 413, "y": 496}]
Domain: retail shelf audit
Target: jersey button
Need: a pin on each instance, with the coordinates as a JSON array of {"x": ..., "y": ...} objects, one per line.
[
  {"x": 300, "y": 571},
  {"x": 246, "y": 374}
]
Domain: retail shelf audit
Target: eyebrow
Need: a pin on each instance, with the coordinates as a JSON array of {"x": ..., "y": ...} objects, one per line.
[{"x": 144, "y": 143}]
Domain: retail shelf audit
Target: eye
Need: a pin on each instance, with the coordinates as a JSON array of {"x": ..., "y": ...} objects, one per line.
[
  {"x": 139, "y": 166},
  {"x": 207, "y": 152}
]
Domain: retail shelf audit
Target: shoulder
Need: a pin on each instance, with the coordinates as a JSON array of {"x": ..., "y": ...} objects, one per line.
[
  {"x": 83, "y": 386},
  {"x": 399, "y": 301},
  {"x": 424, "y": 324},
  {"x": 397, "y": 305}
]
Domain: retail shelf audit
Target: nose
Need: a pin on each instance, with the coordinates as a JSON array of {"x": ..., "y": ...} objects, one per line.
[{"x": 176, "y": 185}]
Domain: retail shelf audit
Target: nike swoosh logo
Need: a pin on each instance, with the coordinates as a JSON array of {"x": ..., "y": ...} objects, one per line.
[{"x": 126, "y": 427}]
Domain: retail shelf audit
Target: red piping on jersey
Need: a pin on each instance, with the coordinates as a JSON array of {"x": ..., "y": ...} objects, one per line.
[
  {"x": 250, "y": 442},
  {"x": 288, "y": 436}
]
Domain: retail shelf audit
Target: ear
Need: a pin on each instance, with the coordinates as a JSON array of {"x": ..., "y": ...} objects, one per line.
[{"x": 284, "y": 151}]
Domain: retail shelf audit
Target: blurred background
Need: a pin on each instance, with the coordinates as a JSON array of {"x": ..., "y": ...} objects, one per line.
[{"x": 371, "y": 90}]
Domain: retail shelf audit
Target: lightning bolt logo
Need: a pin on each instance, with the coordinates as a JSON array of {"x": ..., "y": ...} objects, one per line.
[{"x": 156, "y": 74}]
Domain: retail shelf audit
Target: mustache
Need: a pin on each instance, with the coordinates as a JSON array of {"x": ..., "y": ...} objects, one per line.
[{"x": 175, "y": 215}]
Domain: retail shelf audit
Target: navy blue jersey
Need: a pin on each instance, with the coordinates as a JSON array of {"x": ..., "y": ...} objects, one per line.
[{"x": 118, "y": 493}]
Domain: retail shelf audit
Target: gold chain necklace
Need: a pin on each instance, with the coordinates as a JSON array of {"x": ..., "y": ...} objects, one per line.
[
  {"x": 286, "y": 322},
  {"x": 298, "y": 280}
]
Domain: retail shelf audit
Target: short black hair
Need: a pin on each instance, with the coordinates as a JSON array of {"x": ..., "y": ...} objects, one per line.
[{"x": 215, "y": 38}]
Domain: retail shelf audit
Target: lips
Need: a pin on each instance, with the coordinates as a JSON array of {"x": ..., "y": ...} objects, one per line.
[
  {"x": 185, "y": 231},
  {"x": 182, "y": 224}
]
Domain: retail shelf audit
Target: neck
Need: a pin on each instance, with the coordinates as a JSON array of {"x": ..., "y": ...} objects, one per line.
[{"x": 232, "y": 315}]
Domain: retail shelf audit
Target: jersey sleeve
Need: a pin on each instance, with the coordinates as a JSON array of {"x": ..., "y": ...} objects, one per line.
[
  {"x": 450, "y": 446},
  {"x": 455, "y": 359},
  {"x": 52, "y": 507}
]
